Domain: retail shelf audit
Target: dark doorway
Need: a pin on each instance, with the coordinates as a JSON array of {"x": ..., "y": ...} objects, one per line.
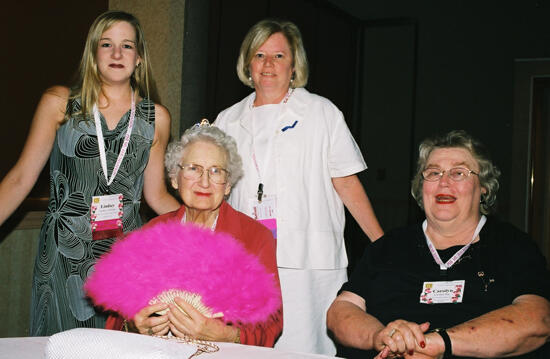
[{"x": 539, "y": 196}]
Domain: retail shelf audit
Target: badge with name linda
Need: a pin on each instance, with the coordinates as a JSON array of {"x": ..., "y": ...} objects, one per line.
[
  {"x": 106, "y": 216},
  {"x": 442, "y": 292}
]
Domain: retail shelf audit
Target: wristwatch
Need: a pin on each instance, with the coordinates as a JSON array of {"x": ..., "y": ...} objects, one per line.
[{"x": 447, "y": 340}]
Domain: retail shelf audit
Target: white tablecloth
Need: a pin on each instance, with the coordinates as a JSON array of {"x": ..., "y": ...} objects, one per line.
[{"x": 34, "y": 347}]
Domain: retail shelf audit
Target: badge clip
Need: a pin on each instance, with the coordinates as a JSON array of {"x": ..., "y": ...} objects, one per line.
[{"x": 260, "y": 192}]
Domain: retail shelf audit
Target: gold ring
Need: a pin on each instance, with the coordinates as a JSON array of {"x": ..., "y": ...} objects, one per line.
[
  {"x": 150, "y": 331},
  {"x": 392, "y": 332}
]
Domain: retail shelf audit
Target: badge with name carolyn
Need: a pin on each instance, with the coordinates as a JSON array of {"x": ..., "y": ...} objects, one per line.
[
  {"x": 106, "y": 216},
  {"x": 442, "y": 292},
  {"x": 265, "y": 212}
]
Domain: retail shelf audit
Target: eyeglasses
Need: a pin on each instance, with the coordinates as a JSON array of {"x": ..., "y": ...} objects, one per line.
[
  {"x": 193, "y": 172},
  {"x": 457, "y": 174}
]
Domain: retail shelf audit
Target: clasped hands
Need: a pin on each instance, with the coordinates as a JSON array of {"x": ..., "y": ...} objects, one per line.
[
  {"x": 188, "y": 322},
  {"x": 403, "y": 339}
]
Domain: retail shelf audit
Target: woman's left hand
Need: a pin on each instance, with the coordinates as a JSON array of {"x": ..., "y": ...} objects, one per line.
[{"x": 196, "y": 325}]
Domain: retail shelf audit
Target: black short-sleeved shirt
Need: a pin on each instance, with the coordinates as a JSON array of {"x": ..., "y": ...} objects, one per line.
[{"x": 503, "y": 265}]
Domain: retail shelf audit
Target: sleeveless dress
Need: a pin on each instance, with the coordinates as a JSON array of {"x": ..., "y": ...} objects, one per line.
[{"x": 66, "y": 252}]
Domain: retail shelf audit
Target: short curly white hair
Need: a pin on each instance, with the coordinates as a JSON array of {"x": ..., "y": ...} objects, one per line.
[{"x": 212, "y": 134}]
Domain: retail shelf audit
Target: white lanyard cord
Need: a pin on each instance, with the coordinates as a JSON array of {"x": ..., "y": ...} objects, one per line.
[
  {"x": 101, "y": 142},
  {"x": 459, "y": 253}
]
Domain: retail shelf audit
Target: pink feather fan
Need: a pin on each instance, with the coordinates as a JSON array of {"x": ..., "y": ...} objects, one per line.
[{"x": 170, "y": 255}]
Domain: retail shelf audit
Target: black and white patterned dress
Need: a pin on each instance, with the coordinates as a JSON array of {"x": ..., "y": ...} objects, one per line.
[{"x": 66, "y": 251}]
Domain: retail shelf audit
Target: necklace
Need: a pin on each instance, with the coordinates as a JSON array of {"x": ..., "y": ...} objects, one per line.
[{"x": 284, "y": 100}]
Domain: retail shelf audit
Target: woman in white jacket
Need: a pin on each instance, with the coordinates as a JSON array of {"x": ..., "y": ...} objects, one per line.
[{"x": 300, "y": 163}]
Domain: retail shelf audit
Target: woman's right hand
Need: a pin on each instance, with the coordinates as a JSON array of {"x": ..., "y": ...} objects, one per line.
[
  {"x": 147, "y": 323},
  {"x": 400, "y": 337}
]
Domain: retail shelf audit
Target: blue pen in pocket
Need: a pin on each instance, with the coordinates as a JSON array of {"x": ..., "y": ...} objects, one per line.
[{"x": 289, "y": 127}]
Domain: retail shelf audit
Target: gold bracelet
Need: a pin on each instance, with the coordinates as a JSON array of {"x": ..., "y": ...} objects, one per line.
[{"x": 238, "y": 337}]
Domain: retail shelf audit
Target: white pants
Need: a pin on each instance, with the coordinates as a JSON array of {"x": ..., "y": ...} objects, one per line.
[{"x": 307, "y": 294}]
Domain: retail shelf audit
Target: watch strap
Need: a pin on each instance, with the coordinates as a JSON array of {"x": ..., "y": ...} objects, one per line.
[{"x": 447, "y": 340}]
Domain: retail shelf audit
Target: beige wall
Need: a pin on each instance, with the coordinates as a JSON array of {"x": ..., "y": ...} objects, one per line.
[
  {"x": 17, "y": 253},
  {"x": 162, "y": 22}
]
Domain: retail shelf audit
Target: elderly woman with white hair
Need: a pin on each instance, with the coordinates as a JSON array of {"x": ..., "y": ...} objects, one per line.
[{"x": 203, "y": 166}]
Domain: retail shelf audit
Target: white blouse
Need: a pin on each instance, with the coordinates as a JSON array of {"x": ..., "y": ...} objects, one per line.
[{"x": 310, "y": 144}]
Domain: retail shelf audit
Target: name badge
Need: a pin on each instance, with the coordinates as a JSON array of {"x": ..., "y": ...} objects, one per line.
[
  {"x": 106, "y": 216},
  {"x": 265, "y": 212},
  {"x": 442, "y": 292}
]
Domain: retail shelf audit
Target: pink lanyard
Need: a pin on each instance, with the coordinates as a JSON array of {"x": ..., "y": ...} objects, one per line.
[
  {"x": 101, "y": 143},
  {"x": 459, "y": 253}
]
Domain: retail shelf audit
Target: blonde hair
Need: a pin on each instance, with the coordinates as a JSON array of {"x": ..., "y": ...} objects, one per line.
[
  {"x": 87, "y": 86},
  {"x": 255, "y": 38}
]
